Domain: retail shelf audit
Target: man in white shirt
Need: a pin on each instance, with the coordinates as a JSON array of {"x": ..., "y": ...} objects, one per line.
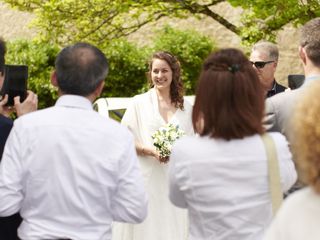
[{"x": 69, "y": 171}]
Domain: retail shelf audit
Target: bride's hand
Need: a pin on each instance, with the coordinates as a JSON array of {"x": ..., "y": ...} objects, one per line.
[
  {"x": 164, "y": 159},
  {"x": 149, "y": 151},
  {"x": 159, "y": 158},
  {"x": 154, "y": 153}
]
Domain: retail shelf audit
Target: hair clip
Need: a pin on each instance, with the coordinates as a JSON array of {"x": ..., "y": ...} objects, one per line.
[{"x": 234, "y": 68}]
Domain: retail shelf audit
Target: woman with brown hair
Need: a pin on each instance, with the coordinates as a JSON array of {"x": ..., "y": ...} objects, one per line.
[
  {"x": 299, "y": 216},
  {"x": 221, "y": 176},
  {"x": 162, "y": 104}
]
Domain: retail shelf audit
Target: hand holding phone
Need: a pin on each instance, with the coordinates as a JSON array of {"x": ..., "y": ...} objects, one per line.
[
  {"x": 15, "y": 82},
  {"x": 30, "y": 104}
]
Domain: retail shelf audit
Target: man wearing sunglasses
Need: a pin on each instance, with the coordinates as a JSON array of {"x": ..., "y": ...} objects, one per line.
[
  {"x": 279, "y": 108},
  {"x": 264, "y": 59}
]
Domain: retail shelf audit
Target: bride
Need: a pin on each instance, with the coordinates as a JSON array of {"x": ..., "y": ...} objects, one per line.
[{"x": 162, "y": 104}]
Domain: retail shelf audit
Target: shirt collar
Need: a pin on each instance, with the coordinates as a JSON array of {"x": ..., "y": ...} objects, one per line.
[
  {"x": 310, "y": 79},
  {"x": 273, "y": 90},
  {"x": 273, "y": 86},
  {"x": 74, "y": 101}
]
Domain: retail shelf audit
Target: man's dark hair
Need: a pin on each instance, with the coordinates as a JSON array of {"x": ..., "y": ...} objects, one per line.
[
  {"x": 80, "y": 68},
  {"x": 2, "y": 54}
]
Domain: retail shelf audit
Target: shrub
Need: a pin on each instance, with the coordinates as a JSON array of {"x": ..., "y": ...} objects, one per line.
[
  {"x": 190, "y": 47},
  {"x": 40, "y": 59},
  {"x": 128, "y": 62},
  {"x": 126, "y": 69}
]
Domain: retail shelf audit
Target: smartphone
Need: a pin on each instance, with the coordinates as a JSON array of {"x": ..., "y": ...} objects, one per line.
[{"x": 15, "y": 82}]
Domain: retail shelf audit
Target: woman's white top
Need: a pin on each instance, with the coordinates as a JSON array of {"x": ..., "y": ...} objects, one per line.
[
  {"x": 298, "y": 218},
  {"x": 224, "y": 185}
]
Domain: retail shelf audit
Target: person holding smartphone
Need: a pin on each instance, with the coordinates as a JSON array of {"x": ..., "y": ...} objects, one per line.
[{"x": 9, "y": 225}]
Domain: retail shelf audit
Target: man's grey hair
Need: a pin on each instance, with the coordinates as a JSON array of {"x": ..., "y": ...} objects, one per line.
[{"x": 268, "y": 48}]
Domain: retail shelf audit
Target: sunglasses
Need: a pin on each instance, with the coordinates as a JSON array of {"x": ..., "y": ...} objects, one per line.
[{"x": 260, "y": 64}]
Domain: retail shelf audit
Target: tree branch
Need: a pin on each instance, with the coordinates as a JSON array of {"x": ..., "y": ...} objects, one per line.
[{"x": 196, "y": 8}]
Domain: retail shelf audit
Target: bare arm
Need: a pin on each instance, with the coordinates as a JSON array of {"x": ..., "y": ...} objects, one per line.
[{"x": 150, "y": 151}]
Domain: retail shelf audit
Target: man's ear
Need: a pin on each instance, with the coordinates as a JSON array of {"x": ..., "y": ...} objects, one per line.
[
  {"x": 99, "y": 89},
  {"x": 276, "y": 64},
  {"x": 302, "y": 54},
  {"x": 54, "y": 80}
]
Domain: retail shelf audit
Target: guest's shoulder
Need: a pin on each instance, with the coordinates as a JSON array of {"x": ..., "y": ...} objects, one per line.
[
  {"x": 282, "y": 101},
  {"x": 278, "y": 137},
  {"x": 281, "y": 143},
  {"x": 295, "y": 211},
  {"x": 29, "y": 119},
  {"x": 280, "y": 88},
  {"x": 5, "y": 121},
  {"x": 185, "y": 146},
  {"x": 302, "y": 197},
  {"x": 188, "y": 141},
  {"x": 280, "y": 97}
]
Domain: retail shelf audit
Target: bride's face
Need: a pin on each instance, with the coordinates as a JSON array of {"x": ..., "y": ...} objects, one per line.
[{"x": 161, "y": 74}]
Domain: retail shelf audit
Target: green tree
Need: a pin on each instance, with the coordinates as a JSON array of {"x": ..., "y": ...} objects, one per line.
[
  {"x": 126, "y": 69},
  {"x": 127, "y": 62},
  {"x": 99, "y": 21},
  {"x": 190, "y": 47},
  {"x": 40, "y": 59},
  {"x": 262, "y": 19}
]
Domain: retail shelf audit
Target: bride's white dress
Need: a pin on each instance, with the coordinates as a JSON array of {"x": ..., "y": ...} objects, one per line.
[{"x": 164, "y": 221}]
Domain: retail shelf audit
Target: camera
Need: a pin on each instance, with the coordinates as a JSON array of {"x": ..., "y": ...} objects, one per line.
[{"x": 15, "y": 82}]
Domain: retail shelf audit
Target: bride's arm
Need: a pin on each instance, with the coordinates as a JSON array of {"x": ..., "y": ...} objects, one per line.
[{"x": 143, "y": 150}]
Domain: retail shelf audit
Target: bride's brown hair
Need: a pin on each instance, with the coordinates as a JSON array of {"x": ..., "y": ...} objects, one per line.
[{"x": 176, "y": 87}]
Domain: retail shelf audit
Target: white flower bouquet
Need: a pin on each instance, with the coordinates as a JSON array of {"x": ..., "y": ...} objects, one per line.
[{"x": 164, "y": 138}]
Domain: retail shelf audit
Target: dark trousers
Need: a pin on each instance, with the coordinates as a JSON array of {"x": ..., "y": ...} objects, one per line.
[{"x": 9, "y": 226}]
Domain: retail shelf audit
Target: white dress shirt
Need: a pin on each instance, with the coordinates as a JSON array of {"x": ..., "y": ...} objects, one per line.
[
  {"x": 298, "y": 218},
  {"x": 224, "y": 185},
  {"x": 70, "y": 172}
]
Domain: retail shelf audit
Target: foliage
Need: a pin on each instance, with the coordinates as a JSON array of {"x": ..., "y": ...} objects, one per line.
[
  {"x": 127, "y": 62},
  {"x": 262, "y": 19},
  {"x": 40, "y": 59},
  {"x": 190, "y": 47},
  {"x": 127, "y": 69},
  {"x": 100, "y": 21},
  {"x": 95, "y": 21}
]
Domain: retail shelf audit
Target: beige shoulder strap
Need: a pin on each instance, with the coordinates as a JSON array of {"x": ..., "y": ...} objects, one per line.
[{"x": 274, "y": 172}]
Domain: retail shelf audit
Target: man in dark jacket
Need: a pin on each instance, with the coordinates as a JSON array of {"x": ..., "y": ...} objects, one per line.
[{"x": 264, "y": 58}]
